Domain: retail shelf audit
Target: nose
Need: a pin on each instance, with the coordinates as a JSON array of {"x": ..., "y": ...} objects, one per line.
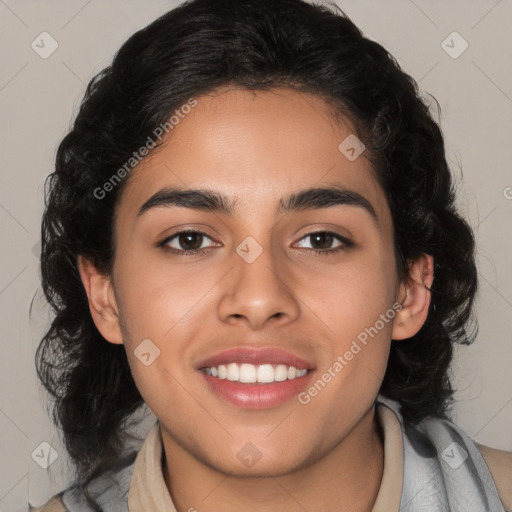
[{"x": 259, "y": 294}]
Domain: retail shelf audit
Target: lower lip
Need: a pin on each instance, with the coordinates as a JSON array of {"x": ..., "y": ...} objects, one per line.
[{"x": 257, "y": 396}]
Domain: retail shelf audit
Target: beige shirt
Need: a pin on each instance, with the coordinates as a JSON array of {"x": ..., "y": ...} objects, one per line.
[{"x": 148, "y": 491}]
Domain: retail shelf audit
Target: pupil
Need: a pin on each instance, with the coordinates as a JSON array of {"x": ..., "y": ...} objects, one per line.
[
  {"x": 324, "y": 239},
  {"x": 190, "y": 241}
]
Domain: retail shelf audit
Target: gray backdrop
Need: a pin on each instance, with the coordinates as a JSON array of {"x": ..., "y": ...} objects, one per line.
[{"x": 41, "y": 86}]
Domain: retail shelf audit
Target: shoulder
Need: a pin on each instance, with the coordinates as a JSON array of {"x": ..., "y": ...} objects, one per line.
[
  {"x": 435, "y": 447},
  {"x": 500, "y": 466},
  {"x": 109, "y": 491},
  {"x": 53, "y": 505}
]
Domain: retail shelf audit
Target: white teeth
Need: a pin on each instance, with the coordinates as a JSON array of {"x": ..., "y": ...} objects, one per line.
[
  {"x": 249, "y": 373},
  {"x": 266, "y": 373},
  {"x": 233, "y": 372},
  {"x": 281, "y": 372}
]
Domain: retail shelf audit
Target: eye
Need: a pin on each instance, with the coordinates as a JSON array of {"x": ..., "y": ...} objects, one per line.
[
  {"x": 192, "y": 242},
  {"x": 322, "y": 242},
  {"x": 186, "y": 242}
]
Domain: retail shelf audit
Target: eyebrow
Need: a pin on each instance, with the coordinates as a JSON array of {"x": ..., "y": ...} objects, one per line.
[{"x": 211, "y": 201}]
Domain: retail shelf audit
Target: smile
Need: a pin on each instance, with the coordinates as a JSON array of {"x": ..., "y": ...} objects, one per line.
[{"x": 250, "y": 373}]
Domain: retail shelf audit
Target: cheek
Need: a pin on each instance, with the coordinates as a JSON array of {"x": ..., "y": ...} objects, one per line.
[
  {"x": 355, "y": 304},
  {"x": 351, "y": 297},
  {"x": 164, "y": 307},
  {"x": 156, "y": 295}
]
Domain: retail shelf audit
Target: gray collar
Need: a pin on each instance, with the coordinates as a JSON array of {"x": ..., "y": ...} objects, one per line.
[{"x": 443, "y": 468}]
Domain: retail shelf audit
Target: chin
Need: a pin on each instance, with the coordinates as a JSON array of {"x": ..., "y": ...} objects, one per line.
[{"x": 250, "y": 462}]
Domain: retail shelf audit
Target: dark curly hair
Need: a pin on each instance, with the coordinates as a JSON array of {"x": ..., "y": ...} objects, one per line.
[{"x": 194, "y": 49}]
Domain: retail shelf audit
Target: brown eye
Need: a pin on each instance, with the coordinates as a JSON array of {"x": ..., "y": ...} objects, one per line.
[
  {"x": 321, "y": 240},
  {"x": 190, "y": 241},
  {"x": 324, "y": 242},
  {"x": 187, "y": 242}
]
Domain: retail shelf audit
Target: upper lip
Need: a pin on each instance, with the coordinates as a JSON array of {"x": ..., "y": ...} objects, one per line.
[{"x": 256, "y": 356}]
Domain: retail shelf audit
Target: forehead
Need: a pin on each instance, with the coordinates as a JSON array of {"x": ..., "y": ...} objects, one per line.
[{"x": 255, "y": 147}]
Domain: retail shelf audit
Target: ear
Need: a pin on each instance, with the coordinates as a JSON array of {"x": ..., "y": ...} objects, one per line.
[
  {"x": 414, "y": 296},
  {"x": 102, "y": 302}
]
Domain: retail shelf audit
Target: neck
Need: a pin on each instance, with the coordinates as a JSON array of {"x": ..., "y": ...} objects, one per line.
[{"x": 347, "y": 478}]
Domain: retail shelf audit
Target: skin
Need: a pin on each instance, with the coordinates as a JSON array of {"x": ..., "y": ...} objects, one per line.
[{"x": 258, "y": 147}]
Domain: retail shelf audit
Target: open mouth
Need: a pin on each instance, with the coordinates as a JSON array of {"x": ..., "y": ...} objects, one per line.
[
  {"x": 256, "y": 377},
  {"x": 249, "y": 386},
  {"x": 251, "y": 374}
]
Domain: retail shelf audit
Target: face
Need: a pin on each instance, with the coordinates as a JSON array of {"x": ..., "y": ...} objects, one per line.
[{"x": 291, "y": 264}]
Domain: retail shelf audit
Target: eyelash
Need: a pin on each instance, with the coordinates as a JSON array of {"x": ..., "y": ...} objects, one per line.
[{"x": 347, "y": 244}]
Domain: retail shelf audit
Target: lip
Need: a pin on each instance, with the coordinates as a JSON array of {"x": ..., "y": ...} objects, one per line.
[
  {"x": 256, "y": 356},
  {"x": 256, "y": 395}
]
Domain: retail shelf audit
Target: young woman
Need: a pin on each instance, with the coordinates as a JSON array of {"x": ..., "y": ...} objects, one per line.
[{"x": 251, "y": 229}]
